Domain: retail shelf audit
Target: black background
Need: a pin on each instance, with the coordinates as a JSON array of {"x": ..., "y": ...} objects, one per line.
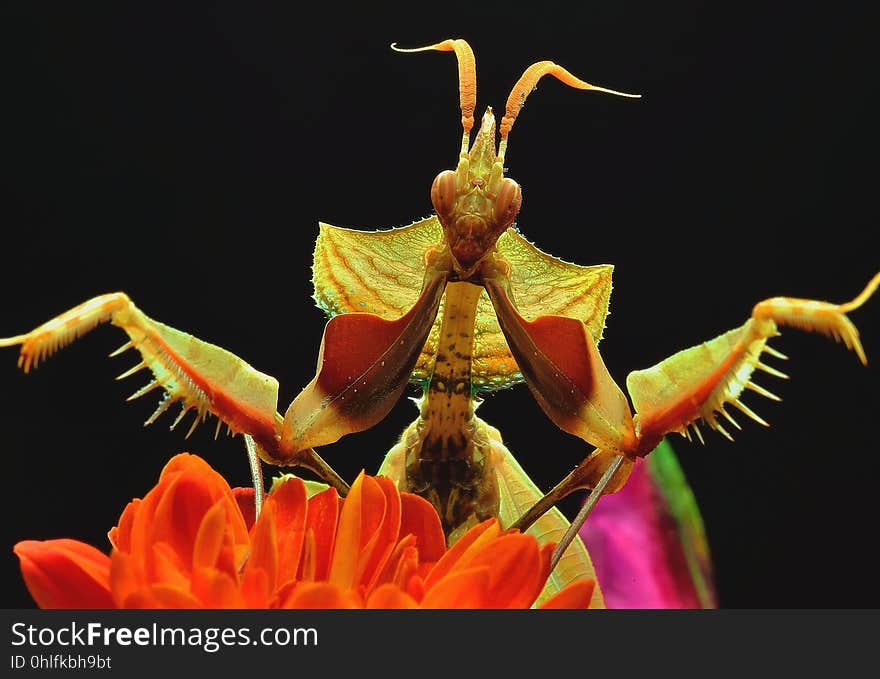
[{"x": 185, "y": 156}]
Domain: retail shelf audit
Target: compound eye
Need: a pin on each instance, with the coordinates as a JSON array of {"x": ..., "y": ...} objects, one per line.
[
  {"x": 507, "y": 203},
  {"x": 443, "y": 193}
]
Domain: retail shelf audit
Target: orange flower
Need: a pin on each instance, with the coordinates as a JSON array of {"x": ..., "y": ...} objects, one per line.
[{"x": 192, "y": 542}]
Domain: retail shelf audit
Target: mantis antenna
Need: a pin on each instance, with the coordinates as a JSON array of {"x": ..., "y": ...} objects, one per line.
[
  {"x": 526, "y": 85},
  {"x": 467, "y": 84},
  {"x": 467, "y": 80}
]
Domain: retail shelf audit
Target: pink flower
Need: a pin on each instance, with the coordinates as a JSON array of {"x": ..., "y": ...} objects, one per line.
[{"x": 647, "y": 540}]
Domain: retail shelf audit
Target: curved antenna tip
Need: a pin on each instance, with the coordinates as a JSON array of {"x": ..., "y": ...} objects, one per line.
[
  {"x": 615, "y": 92},
  {"x": 452, "y": 44},
  {"x": 413, "y": 49}
]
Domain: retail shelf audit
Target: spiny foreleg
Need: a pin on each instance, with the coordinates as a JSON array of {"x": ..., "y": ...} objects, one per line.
[
  {"x": 364, "y": 364},
  {"x": 570, "y": 382},
  {"x": 202, "y": 377},
  {"x": 697, "y": 383}
]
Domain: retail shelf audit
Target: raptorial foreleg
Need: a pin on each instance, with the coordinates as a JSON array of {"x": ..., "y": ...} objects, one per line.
[
  {"x": 364, "y": 365},
  {"x": 697, "y": 383},
  {"x": 569, "y": 380},
  {"x": 202, "y": 377}
]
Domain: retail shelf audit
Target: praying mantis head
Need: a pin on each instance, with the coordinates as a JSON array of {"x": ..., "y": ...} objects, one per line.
[{"x": 476, "y": 203}]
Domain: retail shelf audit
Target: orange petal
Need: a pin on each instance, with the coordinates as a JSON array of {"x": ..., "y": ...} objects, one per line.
[
  {"x": 461, "y": 552},
  {"x": 264, "y": 545},
  {"x": 389, "y": 596},
  {"x": 164, "y": 566},
  {"x": 65, "y": 574},
  {"x": 179, "y": 515},
  {"x": 140, "y": 520},
  {"x": 320, "y": 595},
  {"x": 402, "y": 564},
  {"x": 308, "y": 559},
  {"x": 515, "y": 569},
  {"x": 375, "y": 553},
  {"x": 360, "y": 518},
  {"x": 142, "y": 599},
  {"x": 464, "y": 589},
  {"x": 255, "y": 588},
  {"x": 169, "y": 596},
  {"x": 176, "y": 519},
  {"x": 127, "y": 582},
  {"x": 183, "y": 462},
  {"x": 547, "y": 550},
  {"x": 139, "y": 517},
  {"x": 208, "y": 542},
  {"x": 323, "y": 515},
  {"x": 419, "y": 518},
  {"x": 244, "y": 498},
  {"x": 290, "y": 505},
  {"x": 290, "y": 500},
  {"x": 216, "y": 588},
  {"x": 576, "y": 595},
  {"x": 415, "y": 587},
  {"x": 120, "y": 534}
]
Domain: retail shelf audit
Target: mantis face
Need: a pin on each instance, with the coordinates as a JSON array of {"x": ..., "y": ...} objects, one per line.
[{"x": 475, "y": 203}]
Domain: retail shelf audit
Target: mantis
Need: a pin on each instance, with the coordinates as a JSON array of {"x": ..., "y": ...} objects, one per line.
[{"x": 449, "y": 304}]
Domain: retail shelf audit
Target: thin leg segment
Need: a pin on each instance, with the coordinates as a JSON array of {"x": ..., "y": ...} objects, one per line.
[
  {"x": 592, "y": 474},
  {"x": 256, "y": 473},
  {"x": 586, "y": 509}
]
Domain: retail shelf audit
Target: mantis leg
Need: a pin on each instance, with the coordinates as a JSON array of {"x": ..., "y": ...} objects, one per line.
[
  {"x": 697, "y": 383},
  {"x": 203, "y": 377},
  {"x": 568, "y": 378},
  {"x": 566, "y": 374},
  {"x": 256, "y": 473},
  {"x": 364, "y": 365},
  {"x": 570, "y": 382}
]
